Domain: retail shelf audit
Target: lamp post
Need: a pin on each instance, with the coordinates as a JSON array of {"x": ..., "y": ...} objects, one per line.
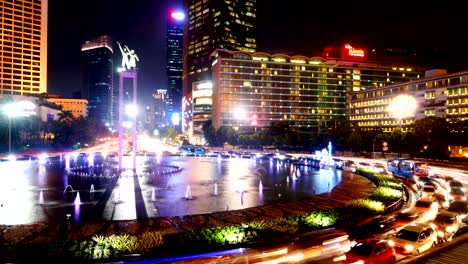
[{"x": 16, "y": 109}]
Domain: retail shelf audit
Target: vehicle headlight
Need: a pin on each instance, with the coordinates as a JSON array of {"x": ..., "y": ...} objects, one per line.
[
  {"x": 391, "y": 243},
  {"x": 359, "y": 262},
  {"x": 450, "y": 229},
  {"x": 409, "y": 247}
]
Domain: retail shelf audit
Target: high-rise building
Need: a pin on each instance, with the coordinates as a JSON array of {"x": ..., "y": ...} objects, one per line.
[
  {"x": 97, "y": 78},
  {"x": 174, "y": 37},
  {"x": 23, "y": 47},
  {"x": 252, "y": 90},
  {"x": 213, "y": 24},
  {"x": 161, "y": 117}
]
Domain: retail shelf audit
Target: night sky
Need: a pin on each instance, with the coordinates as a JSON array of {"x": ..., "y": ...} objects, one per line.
[{"x": 303, "y": 27}]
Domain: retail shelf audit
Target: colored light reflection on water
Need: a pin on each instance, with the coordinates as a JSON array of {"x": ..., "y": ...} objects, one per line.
[{"x": 203, "y": 185}]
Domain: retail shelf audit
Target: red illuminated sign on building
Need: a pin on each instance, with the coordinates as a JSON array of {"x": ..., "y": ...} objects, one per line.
[
  {"x": 350, "y": 52},
  {"x": 354, "y": 52}
]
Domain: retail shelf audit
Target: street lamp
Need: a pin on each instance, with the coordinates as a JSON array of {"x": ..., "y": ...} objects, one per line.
[
  {"x": 402, "y": 106},
  {"x": 17, "y": 109}
]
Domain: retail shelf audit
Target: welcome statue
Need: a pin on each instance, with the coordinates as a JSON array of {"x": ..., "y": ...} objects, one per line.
[{"x": 129, "y": 57}]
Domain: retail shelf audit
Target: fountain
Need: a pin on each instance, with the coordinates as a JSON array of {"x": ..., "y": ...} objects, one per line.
[
  {"x": 188, "y": 193},
  {"x": 77, "y": 199},
  {"x": 91, "y": 189},
  {"x": 117, "y": 196},
  {"x": 68, "y": 188},
  {"x": 153, "y": 194},
  {"x": 41, "y": 197},
  {"x": 215, "y": 188},
  {"x": 260, "y": 186}
]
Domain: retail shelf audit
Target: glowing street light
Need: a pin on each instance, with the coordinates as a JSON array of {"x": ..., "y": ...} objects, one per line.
[
  {"x": 17, "y": 109},
  {"x": 402, "y": 106}
]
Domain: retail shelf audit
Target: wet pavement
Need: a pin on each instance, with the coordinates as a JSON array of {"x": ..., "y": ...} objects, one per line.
[{"x": 327, "y": 196}]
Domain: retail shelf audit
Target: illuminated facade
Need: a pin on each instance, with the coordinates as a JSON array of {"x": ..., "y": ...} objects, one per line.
[
  {"x": 97, "y": 79},
  {"x": 255, "y": 89},
  {"x": 213, "y": 24},
  {"x": 23, "y": 49},
  {"x": 174, "y": 38},
  {"x": 202, "y": 104},
  {"x": 438, "y": 94},
  {"x": 78, "y": 107}
]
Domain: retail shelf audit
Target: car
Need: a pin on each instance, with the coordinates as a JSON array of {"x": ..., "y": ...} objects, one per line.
[
  {"x": 318, "y": 245},
  {"x": 429, "y": 207},
  {"x": 379, "y": 168},
  {"x": 408, "y": 216},
  {"x": 349, "y": 165},
  {"x": 370, "y": 227},
  {"x": 364, "y": 165},
  {"x": 457, "y": 194},
  {"x": 446, "y": 224},
  {"x": 373, "y": 226},
  {"x": 461, "y": 231},
  {"x": 427, "y": 190},
  {"x": 414, "y": 239},
  {"x": 442, "y": 200},
  {"x": 371, "y": 251},
  {"x": 455, "y": 184},
  {"x": 460, "y": 207}
]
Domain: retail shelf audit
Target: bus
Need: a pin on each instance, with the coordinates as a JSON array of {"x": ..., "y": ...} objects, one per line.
[
  {"x": 407, "y": 169},
  {"x": 192, "y": 150}
]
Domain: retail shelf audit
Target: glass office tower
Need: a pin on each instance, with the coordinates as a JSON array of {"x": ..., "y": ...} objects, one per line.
[
  {"x": 97, "y": 78},
  {"x": 174, "y": 37}
]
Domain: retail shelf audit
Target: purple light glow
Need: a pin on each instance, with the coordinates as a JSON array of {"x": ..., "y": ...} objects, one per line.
[{"x": 178, "y": 15}]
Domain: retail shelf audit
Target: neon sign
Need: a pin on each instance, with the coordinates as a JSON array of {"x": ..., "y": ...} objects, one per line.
[{"x": 354, "y": 52}]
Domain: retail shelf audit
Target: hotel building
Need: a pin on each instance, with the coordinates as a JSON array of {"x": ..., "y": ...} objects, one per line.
[
  {"x": 437, "y": 94},
  {"x": 23, "y": 47},
  {"x": 211, "y": 25},
  {"x": 78, "y": 107},
  {"x": 253, "y": 90}
]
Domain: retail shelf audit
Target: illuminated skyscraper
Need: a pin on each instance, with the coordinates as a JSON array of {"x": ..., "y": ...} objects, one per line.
[
  {"x": 174, "y": 37},
  {"x": 212, "y": 24},
  {"x": 23, "y": 47},
  {"x": 97, "y": 80}
]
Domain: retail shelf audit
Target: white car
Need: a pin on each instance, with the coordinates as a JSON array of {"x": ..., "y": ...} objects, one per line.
[
  {"x": 428, "y": 206},
  {"x": 414, "y": 239}
]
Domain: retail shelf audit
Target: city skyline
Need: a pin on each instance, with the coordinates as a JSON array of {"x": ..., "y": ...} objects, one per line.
[{"x": 304, "y": 28}]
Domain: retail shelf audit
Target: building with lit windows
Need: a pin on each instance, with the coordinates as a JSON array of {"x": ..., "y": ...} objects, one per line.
[
  {"x": 202, "y": 104},
  {"x": 23, "y": 49},
  {"x": 97, "y": 79},
  {"x": 253, "y": 90},
  {"x": 174, "y": 38},
  {"x": 210, "y": 25},
  {"x": 161, "y": 116},
  {"x": 78, "y": 107},
  {"x": 437, "y": 94}
]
